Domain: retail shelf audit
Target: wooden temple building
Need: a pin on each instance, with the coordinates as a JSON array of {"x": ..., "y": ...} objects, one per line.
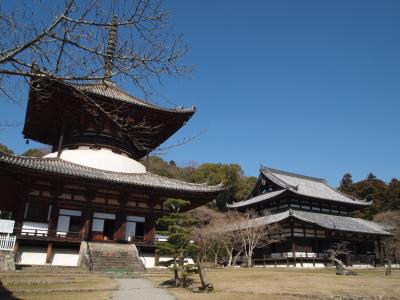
[
  {"x": 313, "y": 217},
  {"x": 91, "y": 195}
]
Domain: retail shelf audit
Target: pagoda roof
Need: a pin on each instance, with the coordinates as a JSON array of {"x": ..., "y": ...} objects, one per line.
[
  {"x": 143, "y": 125},
  {"x": 332, "y": 222},
  {"x": 57, "y": 166},
  {"x": 110, "y": 90}
]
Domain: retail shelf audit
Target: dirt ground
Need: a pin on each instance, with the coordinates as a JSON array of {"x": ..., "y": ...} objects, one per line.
[
  {"x": 55, "y": 285},
  {"x": 230, "y": 284},
  {"x": 292, "y": 284}
]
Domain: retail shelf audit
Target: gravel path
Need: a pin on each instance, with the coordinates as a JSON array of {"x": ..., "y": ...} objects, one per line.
[{"x": 139, "y": 288}]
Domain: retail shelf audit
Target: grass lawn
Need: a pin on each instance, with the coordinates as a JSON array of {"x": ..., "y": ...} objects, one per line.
[
  {"x": 291, "y": 284},
  {"x": 56, "y": 284}
]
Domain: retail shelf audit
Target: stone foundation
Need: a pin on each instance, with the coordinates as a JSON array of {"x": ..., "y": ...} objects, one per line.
[{"x": 7, "y": 261}]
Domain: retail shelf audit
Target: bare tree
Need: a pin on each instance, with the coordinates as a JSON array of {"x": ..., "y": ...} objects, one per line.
[
  {"x": 80, "y": 41},
  {"x": 391, "y": 221},
  {"x": 229, "y": 240},
  {"x": 203, "y": 242},
  {"x": 254, "y": 232},
  {"x": 68, "y": 41},
  {"x": 236, "y": 233}
]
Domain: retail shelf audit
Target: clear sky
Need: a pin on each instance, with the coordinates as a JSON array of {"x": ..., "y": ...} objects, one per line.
[{"x": 305, "y": 86}]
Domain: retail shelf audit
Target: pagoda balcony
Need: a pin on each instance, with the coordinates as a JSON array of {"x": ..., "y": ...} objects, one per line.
[{"x": 47, "y": 235}]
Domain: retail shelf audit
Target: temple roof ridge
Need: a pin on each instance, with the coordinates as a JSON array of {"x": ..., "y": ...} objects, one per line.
[{"x": 273, "y": 170}]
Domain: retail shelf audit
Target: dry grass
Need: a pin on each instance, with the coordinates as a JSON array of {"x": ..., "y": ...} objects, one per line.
[
  {"x": 57, "y": 285},
  {"x": 292, "y": 284}
]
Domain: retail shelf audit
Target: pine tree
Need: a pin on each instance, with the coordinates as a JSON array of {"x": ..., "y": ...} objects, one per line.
[
  {"x": 177, "y": 226},
  {"x": 346, "y": 184}
]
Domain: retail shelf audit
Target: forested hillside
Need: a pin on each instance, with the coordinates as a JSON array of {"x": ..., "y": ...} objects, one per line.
[
  {"x": 237, "y": 186},
  {"x": 385, "y": 196}
]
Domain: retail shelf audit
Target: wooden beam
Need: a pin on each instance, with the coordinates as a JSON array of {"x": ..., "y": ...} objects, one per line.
[{"x": 49, "y": 252}]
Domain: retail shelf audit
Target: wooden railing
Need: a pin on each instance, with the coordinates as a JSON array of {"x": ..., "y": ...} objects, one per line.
[
  {"x": 42, "y": 234},
  {"x": 7, "y": 242}
]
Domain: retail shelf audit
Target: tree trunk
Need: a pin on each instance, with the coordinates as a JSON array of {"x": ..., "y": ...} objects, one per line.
[
  {"x": 235, "y": 259},
  {"x": 176, "y": 274},
  {"x": 201, "y": 275},
  {"x": 230, "y": 259},
  {"x": 249, "y": 261},
  {"x": 249, "y": 257}
]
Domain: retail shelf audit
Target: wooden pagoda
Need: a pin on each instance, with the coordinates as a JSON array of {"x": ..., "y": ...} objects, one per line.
[
  {"x": 313, "y": 217},
  {"x": 91, "y": 188}
]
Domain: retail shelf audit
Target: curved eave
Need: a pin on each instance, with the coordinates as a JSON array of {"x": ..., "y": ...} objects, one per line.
[
  {"x": 93, "y": 90},
  {"x": 47, "y": 167},
  {"x": 329, "y": 222},
  {"x": 276, "y": 180},
  {"x": 355, "y": 203},
  {"x": 258, "y": 199}
]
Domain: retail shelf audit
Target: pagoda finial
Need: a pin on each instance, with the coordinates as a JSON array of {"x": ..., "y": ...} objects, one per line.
[{"x": 112, "y": 44}]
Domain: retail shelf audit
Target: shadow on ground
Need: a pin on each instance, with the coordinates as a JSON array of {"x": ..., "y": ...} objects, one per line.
[{"x": 5, "y": 294}]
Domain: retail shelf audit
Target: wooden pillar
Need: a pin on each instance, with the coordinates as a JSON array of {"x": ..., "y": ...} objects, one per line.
[
  {"x": 381, "y": 260},
  {"x": 20, "y": 215},
  {"x": 121, "y": 218},
  {"x": 23, "y": 189},
  {"x": 86, "y": 227},
  {"x": 56, "y": 190},
  {"x": 53, "y": 218},
  {"x": 150, "y": 230},
  {"x": 316, "y": 241},
  {"x": 293, "y": 242},
  {"x": 49, "y": 252},
  {"x": 120, "y": 223},
  {"x": 377, "y": 251},
  {"x": 87, "y": 216}
]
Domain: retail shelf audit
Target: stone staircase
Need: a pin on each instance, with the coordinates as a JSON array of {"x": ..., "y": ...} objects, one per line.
[{"x": 115, "y": 258}]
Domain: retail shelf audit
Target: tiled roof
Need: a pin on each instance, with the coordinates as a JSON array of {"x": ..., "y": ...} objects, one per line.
[
  {"x": 257, "y": 199},
  {"x": 309, "y": 186},
  {"x": 109, "y": 90},
  {"x": 333, "y": 222},
  {"x": 62, "y": 167}
]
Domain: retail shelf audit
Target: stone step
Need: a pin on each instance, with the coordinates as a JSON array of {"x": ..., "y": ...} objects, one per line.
[{"x": 115, "y": 257}]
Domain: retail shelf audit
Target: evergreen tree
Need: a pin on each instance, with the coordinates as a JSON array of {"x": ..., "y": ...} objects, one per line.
[
  {"x": 394, "y": 195},
  {"x": 346, "y": 184},
  {"x": 177, "y": 226}
]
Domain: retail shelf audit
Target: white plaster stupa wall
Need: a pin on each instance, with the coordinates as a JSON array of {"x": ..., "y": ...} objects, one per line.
[{"x": 103, "y": 159}]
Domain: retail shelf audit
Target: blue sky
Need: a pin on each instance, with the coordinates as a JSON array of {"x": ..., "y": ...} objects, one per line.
[{"x": 305, "y": 86}]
